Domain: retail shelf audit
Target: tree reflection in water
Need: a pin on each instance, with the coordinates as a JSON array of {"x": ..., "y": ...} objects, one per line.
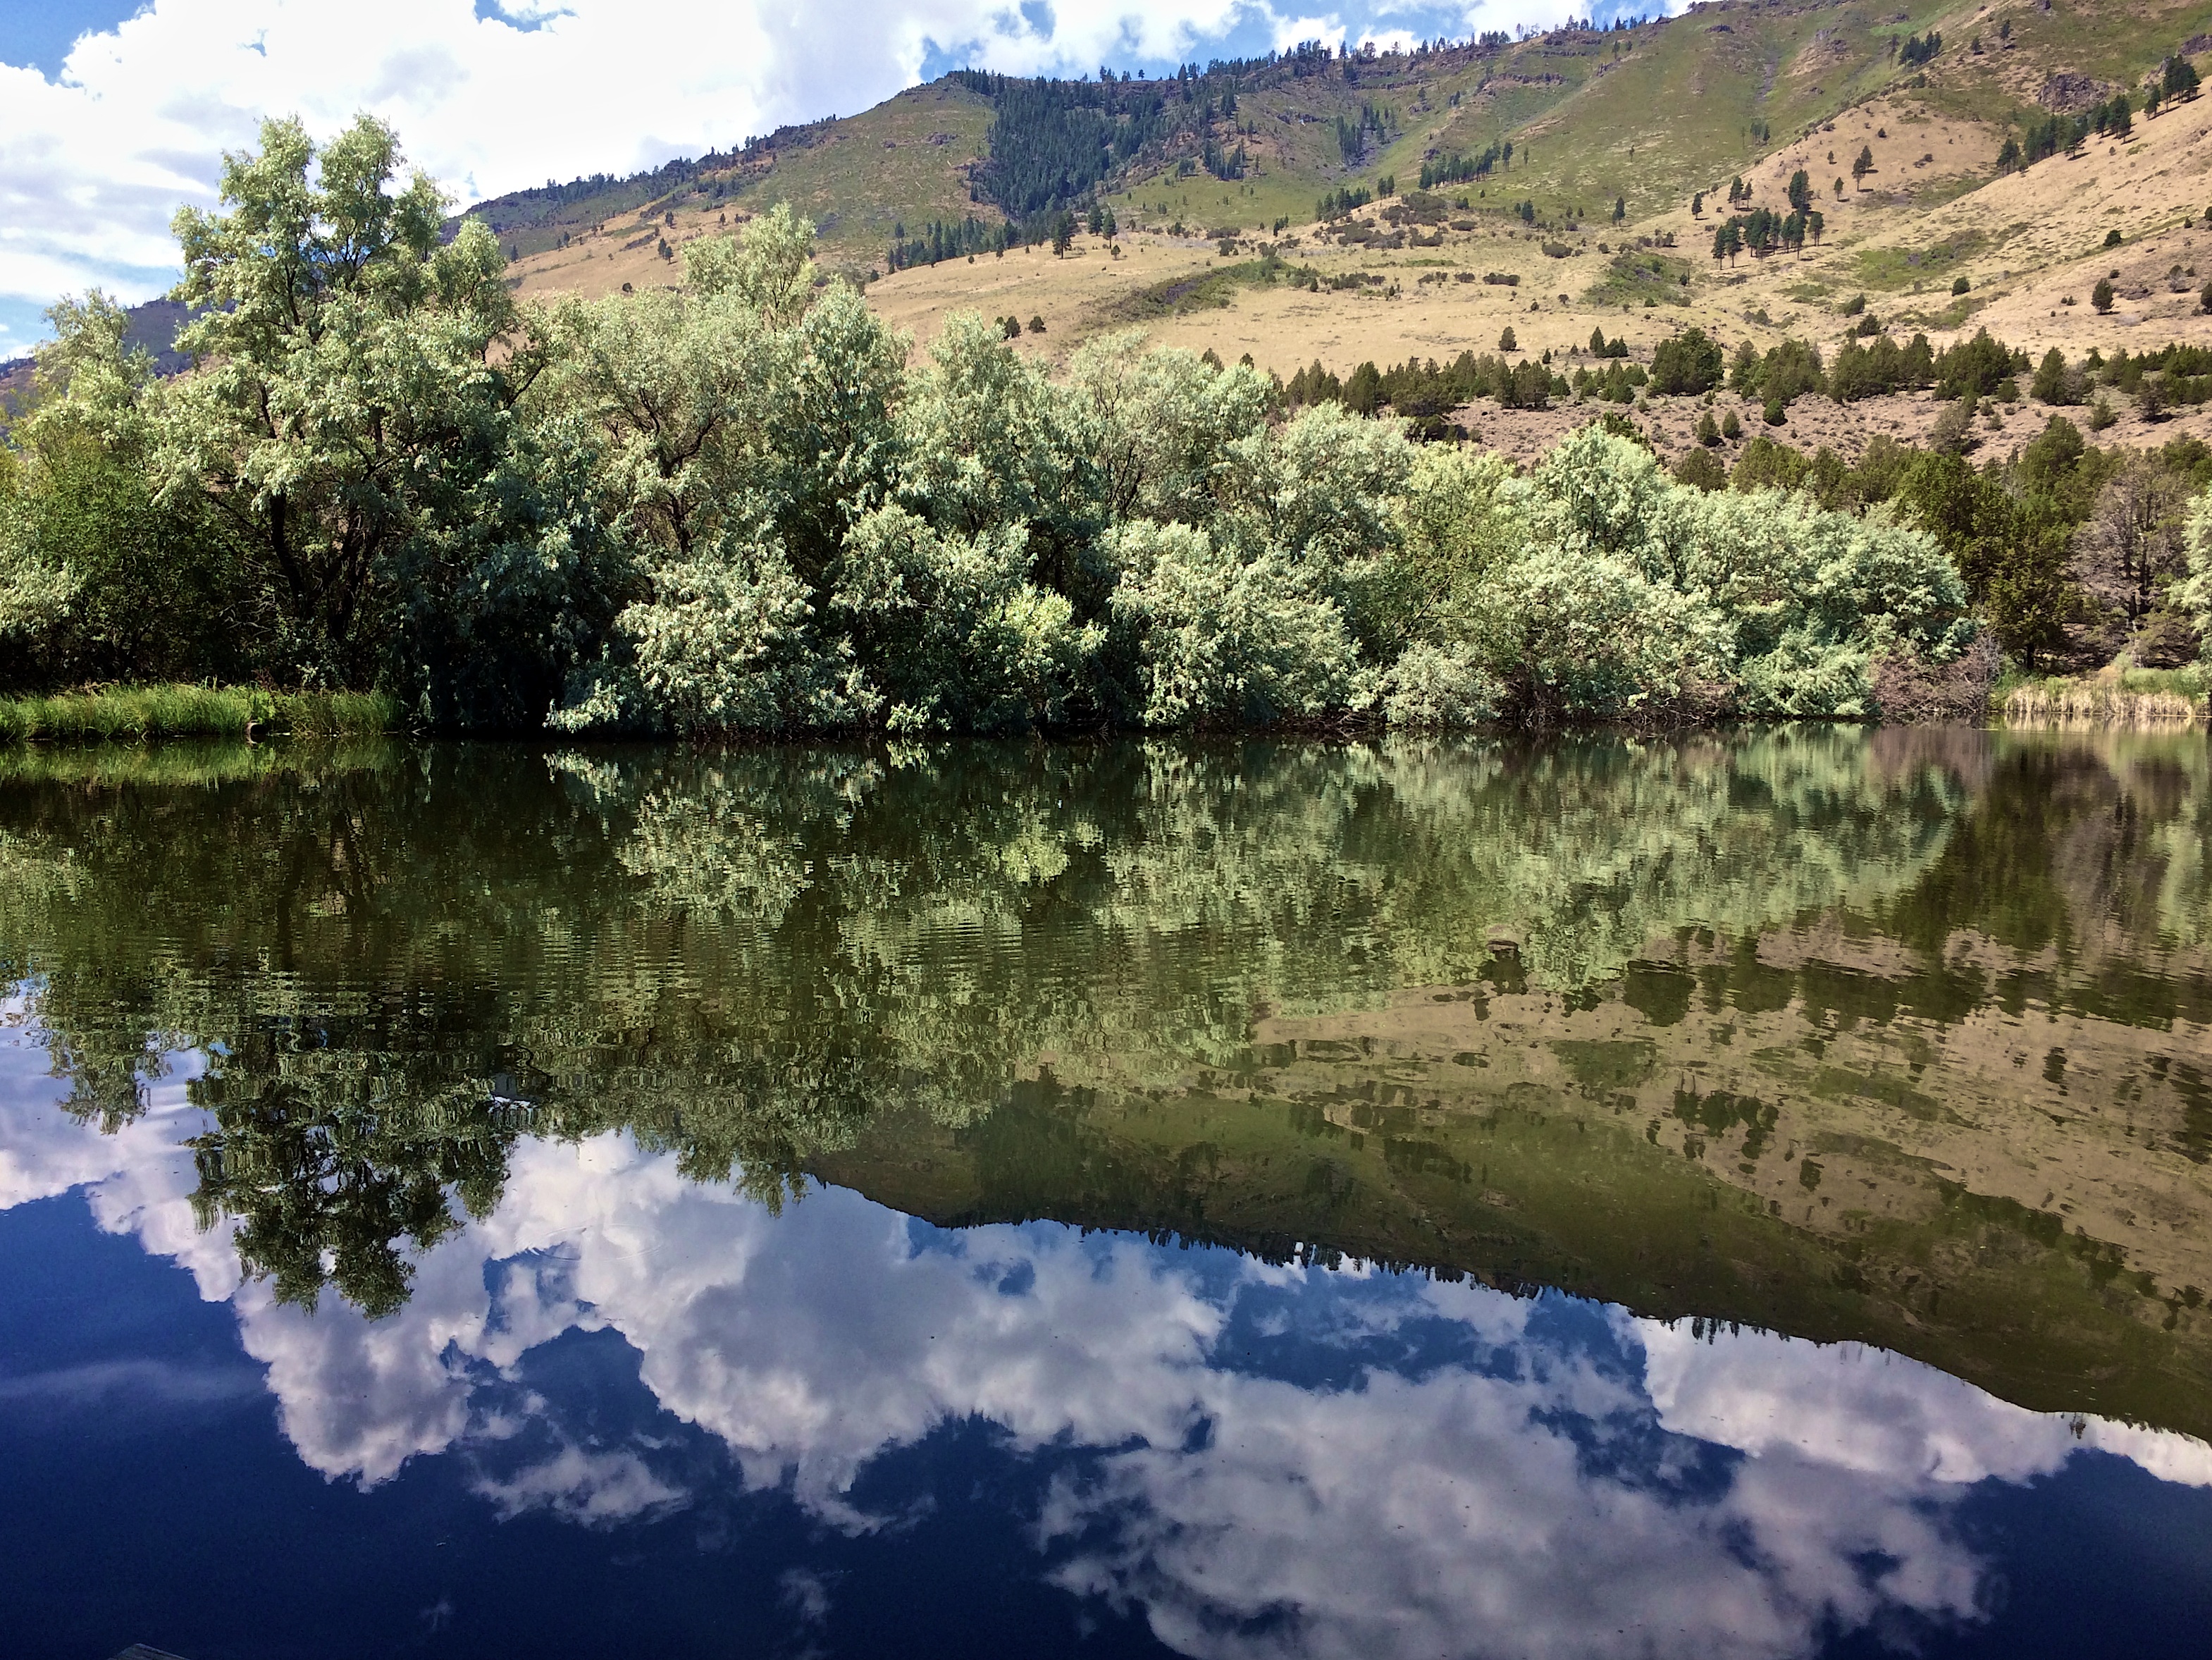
[{"x": 1891, "y": 1041}]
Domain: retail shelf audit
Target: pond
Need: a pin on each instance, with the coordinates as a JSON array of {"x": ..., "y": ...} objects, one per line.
[{"x": 1740, "y": 1195}]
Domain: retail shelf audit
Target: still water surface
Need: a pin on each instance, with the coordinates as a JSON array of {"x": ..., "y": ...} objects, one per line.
[{"x": 1741, "y": 1196}]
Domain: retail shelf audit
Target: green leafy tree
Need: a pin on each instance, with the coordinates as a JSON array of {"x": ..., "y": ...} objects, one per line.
[
  {"x": 2192, "y": 595},
  {"x": 98, "y": 580},
  {"x": 743, "y": 429},
  {"x": 351, "y": 428},
  {"x": 951, "y": 634},
  {"x": 1230, "y": 634},
  {"x": 1156, "y": 423}
]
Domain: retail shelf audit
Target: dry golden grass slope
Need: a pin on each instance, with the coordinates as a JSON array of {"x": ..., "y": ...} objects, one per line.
[{"x": 2030, "y": 245}]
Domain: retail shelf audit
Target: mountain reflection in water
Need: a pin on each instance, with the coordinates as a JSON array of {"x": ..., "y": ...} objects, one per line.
[{"x": 621, "y": 1144}]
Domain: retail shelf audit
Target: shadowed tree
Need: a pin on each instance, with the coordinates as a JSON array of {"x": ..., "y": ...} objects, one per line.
[{"x": 2133, "y": 543}]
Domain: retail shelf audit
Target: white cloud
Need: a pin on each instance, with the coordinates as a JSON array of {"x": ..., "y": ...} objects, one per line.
[
  {"x": 1867, "y": 1410},
  {"x": 92, "y": 164}
]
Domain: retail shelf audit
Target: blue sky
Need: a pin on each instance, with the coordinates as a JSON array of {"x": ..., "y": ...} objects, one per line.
[
  {"x": 114, "y": 112},
  {"x": 39, "y": 33}
]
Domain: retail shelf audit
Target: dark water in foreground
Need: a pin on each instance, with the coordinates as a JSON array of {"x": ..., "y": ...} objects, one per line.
[{"x": 1746, "y": 1196}]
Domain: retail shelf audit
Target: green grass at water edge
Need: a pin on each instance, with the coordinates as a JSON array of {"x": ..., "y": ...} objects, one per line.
[{"x": 139, "y": 712}]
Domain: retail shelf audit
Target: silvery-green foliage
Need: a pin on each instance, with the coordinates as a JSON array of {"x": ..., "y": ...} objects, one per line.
[
  {"x": 837, "y": 448},
  {"x": 92, "y": 383},
  {"x": 35, "y": 596},
  {"x": 530, "y": 577},
  {"x": 1439, "y": 688},
  {"x": 356, "y": 382},
  {"x": 1594, "y": 493},
  {"x": 1456, "y": 521},
  {"x": 1318, "y": 488},
  {"x": 677, "y": 396},
  {"x": 1776, "y": 563},
  {"x": 721, "y": 645},
  {"x": 949, "y": 631},
  {"x": 93, "y": 390},
  {"x": 1805, "y": 675},
  {"x": 984, "y": 442},
  {"x": 2193, "y": 593},
  {"x": 1795, "y": 600},
  {"x": 1156, "y": 424},
  {"x": 1225, "y": 636},
  {"x": 98, "y": 582},
  {"x": 1583, "y": 636},
  {"x": 767, "y": 267},
  {"x": 1813, "y": 596},
  {"x": 680, "y": 392}
]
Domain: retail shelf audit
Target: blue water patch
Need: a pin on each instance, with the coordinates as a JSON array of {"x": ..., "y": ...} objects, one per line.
[{"x": 764, "y": 1461}]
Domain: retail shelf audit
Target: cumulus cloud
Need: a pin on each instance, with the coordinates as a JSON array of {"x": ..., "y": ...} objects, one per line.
[
  {"x": 1877, "y": 1413},
  {"x": 489, "y": 97},
  {"x": 1427, "y": 1461},
  {"x": 139, "y": 1179}
]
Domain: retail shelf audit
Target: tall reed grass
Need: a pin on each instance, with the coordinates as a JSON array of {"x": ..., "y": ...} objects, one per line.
[
  {"x": 2155, "y": 699},
  {"x": 139, "y": 712}
]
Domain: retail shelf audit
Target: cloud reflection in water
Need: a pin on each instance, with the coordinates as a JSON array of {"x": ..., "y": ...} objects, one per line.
[{"x": 1269, "y": 1461}]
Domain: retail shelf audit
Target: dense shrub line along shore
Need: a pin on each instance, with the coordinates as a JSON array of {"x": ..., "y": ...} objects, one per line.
[{"x": 739, "y": 509}]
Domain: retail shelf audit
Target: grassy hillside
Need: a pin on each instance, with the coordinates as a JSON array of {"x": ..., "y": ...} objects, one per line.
[
  {"x": 906, "y": 161},
  {"x": 1647, "y": 116}
]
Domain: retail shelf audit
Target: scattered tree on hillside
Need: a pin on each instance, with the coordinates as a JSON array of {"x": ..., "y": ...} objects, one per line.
[
  {"x": 1918, "y": 49},
  {"x": 1685, "y": 364}
]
